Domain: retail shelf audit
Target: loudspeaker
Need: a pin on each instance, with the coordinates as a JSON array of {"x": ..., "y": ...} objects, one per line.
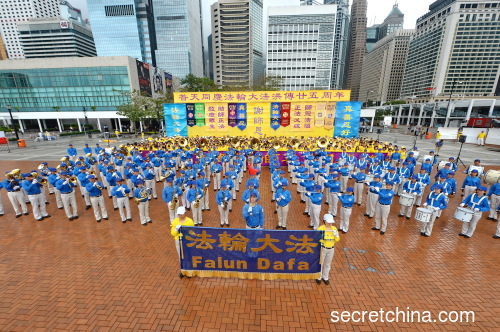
[{"x": 462, "y": 138}]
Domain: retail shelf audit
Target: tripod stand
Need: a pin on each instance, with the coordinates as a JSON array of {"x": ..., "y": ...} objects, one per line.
[{"x": 458, "y": 157}]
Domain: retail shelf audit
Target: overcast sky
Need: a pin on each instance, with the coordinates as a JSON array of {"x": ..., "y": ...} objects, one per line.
[{"x": 377, "y": 10}]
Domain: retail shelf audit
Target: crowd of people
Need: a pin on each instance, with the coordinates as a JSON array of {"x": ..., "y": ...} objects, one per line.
[{"x": 184, "y": 179}]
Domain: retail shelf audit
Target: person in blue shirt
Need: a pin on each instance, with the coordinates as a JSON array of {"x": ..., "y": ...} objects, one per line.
[
  {"x": 333, "y": 186},
  {"x": 283, "y": 197},
  {"x": 316, "y": 198},
  {"x": 194, "y": 197},
  {"x": 452, "y": 184},
  {"x": 383, "y": 207},
  {"x": 497, "y": 234},
  {"x": 371, "y": 201},
  {"x": 470, "y": 183},
  {"x": 141, "y": 196},
  {"x": 454, "y": 166},
  {"x": 246, "y": 194},
  {"x": 95, "y": 189},
  {"x": 216, "y": 170},
  {"x": 392, "y": 177},
  {"x": 443, "y": 171},
  {"x": 395, "y": 157},
  {"x": 72, "y": 153},
  {"x": 1, "y": 203},
  {"x": 436, "y": 201},
  {"x": 359, "y": 183},
  {"x": 494, "y": 195},
  {"x": 98, "y": 149},
  {"x": 347, "y": 201},
  {"x": 427, "y": 166},
  {"x": 344, "y": 177},
  {"x": 112, "y": 176},
  {"x": 413, "y": 188},
  {"x": 33, "y": 189},
  {"x": 253, "y": 214},
  {"x": 121, "y": 191},
  {"x": 66, "y": 188},
  {"x": 479, "y": 203},
  {"x": 87, "y": 149},
  {"x": 223, "y": 199},
  {"x": 170, "y": 195}
]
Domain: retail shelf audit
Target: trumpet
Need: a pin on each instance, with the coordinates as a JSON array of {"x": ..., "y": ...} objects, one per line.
[
  {"x": 73, "y": 180},
  {"x": 64, "y": 159},
  {"x": 43, "y": 181}
]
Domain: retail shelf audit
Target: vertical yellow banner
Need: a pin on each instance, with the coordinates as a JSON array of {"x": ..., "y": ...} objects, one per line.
[{"x": 216, "y": 117}]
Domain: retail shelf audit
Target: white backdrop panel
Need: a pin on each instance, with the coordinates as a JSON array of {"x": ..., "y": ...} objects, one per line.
[
  {"x": 448, "y": 133},
  {"x": 472, "y": 134},
  {"x": 493, "y": 136}
]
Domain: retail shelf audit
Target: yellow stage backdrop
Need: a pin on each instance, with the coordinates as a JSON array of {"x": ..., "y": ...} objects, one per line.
[{"x": 311, "y": 113}]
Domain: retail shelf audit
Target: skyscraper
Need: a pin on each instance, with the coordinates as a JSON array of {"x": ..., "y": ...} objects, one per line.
[
  {"x": 179, "y": 44},
  {"x": 12, "y": 12},
  {"x": 384, "y": 66},
  {"x": 357, "y": 47},
  {"x": 454, "y": 50},
  {"x": 124, "y": 28},
  {"x": 300, "y": 46},
  {"x": 394, "y": 21},
  {"x": 237, "y": 42}
]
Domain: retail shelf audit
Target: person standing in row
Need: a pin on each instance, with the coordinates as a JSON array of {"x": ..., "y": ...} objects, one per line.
[
  {"x": 194, "y": 197},
  {"x": 494, "y": 195},
  {"x": 333, "y": 186},
  {"x": 66, "y": 187},
  {"x": 479, "y": 203},
  {"x": 34, "y": 192},
  {"x": 223, "y": 199},
  {"x": 359, "y": 179},
  {"x": 95, "y": 190},
  {"x": 170, "y": 195},
  {"x": 470, "y": 183},
  {"x": 329, "y": 237},
  {"x": 177, "y": 223},
  {"x": 13, "y": 188},
  {"x": 413, "y": 188},
  {"x": 347, "y": 201},
  {"x": 383, "y": 207},
  {"x": 371, "y": 201},
  {"x": 253, "y": 214},
  {"x": 121, "y": 191},
  {"x": 436, "y": 201},
  {"x": 316, "y": 198},
  {"x": 141, "y": 196},
  {"x": 282, "y": 197}
]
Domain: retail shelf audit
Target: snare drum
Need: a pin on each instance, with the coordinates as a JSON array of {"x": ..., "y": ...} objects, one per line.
[
  {"x": 423, "y": 214},
  {"x": 442, "y": 164},
  {"x": 463, "y": 214},
  {"x": 406, "y": 199},
  {"x": 492, "y": 177}
]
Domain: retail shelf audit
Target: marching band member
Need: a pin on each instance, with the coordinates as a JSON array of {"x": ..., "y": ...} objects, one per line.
[
  {"x": 1, "y": 203},
  {"x": 228, "y": 184},
  {"x": 329, "y": 236},
  {"x": 16, "y": 197},
  {"x": 410, "y": 187},
  {"x": 392, "y": 177},
  {"x": 395, "y": 157},
  {"x": 436, "y": 201},
  {"x": 494, "y": 195},
  {"x": 98, "y": 149},
  {"x": 52, "y": 179},
  {"x": 454, "y": 166},
  {"x": 112, "y": 177},
  {"x": 121, "y": 191},
  {"x": 66, "y": 187},
  {"x": 34, "y": 192},
  {"x": 424, "y": 179},
  {"x": 223, "y": 198},
  {"x": 246, "y": 194},
  {"x": 92, "y": 162},
  {"x": 333, "y": 186},
  {"x": 308, "y": 185},
  {"x": 216, "y": 169},
  {"x": 479, "y": 203},
  {"x": 149, "y": 175},
  {"x": 404, "y": 174},
  {"x": 177, "y": 223},
  {"x": 497, "y": 234},
  {"x": 83, "y": 181},
  {"x": 443, "y": 171},
  {"x": 95, "y": 190},
  {"x": 359, "y": 179},
  {"x": 383, "y": 207},
  {"x": 253, "y": 214},
  {"x": 451, "y": 184},
  {"x": 316, "y": 198},
  {"x": 347, "y": 200},
  {"x": 194, "y": 197},
  {"x": 156, "y": 161},
  {"x": 170, "y": 195},
  {"x": 72, "y": 153},
  {"x": 231, "y": 175},
  {"x": 203, "y": 183},
  {"x": 87, "y": 149},
  {"x": 426, "y": 166},
  {"x": 129, "y": 173},
  {"x": 371, "y": 201},
  {"x": 141, "y": 196},
  {"x": 344, "y": 177},
  {"x": 470, "y": 183},
  {"x": 283, "y": 197}
]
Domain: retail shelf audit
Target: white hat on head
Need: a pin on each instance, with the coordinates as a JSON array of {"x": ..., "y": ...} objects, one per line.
[
  {"x": 329, "y": 218},
  {"x": 181, "y": 210}
]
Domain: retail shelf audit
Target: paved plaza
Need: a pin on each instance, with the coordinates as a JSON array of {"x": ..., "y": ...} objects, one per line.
[{"x": 83, "y": 275}]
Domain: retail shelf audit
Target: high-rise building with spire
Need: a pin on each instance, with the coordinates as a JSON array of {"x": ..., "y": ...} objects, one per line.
[{"x": 356, "y": 48}]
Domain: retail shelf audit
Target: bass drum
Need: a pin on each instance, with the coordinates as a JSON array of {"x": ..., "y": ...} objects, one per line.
[{"x": 492, "y": 176}]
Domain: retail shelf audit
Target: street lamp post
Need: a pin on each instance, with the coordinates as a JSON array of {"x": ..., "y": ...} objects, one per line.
[
  {"x": 9, "y": 108},
  {"x": 367, "y": 92},
  {"x": 89, "y": 134},
  {"x": 448, "y": 111}
]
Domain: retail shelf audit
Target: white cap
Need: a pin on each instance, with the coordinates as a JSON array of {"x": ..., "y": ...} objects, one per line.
[
  {"x": 181, "y": 210},
  {"x": 329, "y": 218}
]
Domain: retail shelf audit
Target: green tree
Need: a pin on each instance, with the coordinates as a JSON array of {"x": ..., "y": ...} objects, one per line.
[{"x": 191, "y": 83}]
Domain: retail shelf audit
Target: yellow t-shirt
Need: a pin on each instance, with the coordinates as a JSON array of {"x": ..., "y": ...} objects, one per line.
[
  {"x": 330, "y": 237},
  {"x": 173, "y": 228},
  {"x": 481, "y": 135}
]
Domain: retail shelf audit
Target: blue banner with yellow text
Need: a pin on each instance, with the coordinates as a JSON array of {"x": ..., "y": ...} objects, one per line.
[
  {"x": 175, "y": 120},
  {"x": 250, "y": 254},
  {"x": 347, "y": 116}
]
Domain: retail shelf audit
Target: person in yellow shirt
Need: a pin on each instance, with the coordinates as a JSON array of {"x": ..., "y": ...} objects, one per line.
[
  {"x": 480, "y": 138},
  {"x": 330, "y": 236},
  {"x": 177, "y": 223}
]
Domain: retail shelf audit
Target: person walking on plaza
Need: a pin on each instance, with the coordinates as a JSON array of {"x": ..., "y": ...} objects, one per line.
[
  {"x": 121, "y": 191},
  {"x": 383, "y": 207},
  {"x": 479, "y": 203},
  {"x": 329, "y": 237},
  {"x": 223, "y": 199},
  {"x": 480, "y": 138},
  {"x": 494, "y": 195},
  {"x": 15, "y": 195},
  {"x": 177, "y": 223},
  {"x": 66, "y": 187},
  {"x": 347, "y": 201},
  {"x": 95, "y": 190},
  {"x": 436, "y": 201},
  {"x": 283, "y": 197},
  {"x": 253, "y": 214},
  {"x": 141, "y": 196},
  {"x": 34, "y": 192}
]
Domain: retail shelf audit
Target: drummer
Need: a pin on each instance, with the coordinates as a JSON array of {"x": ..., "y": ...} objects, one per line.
[
  {"x": 425, "y": 180},
  {"x": 443, "y": 171},
  {"x": 436, "y": 201},
  {"x": 454, "y": 166},
  {"x": 383, "y": 207},
  {"x": 494, "y": 195},
  {"x": 477, "y": 166},
  {"x": 479, "y": 203},
  {"x": 414, "y": 189},
  {"x": 452, "y": 183},
  {"x": 470, "y": 183},
  {"x": 371, "y": 201}
]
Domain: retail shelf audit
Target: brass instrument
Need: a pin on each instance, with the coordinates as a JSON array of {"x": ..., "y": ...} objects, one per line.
[
  {"x": 43, "y": 181},
  {"x": 174, "y": 202},
  {"x": 224, "y": 205},
  {"x": 276, "y": 144},
  {"x": 89, "y": 154},
  {"x": 92, "y": 173},
  {"x": 144, "y": 193},
  {"x": 235, "y": 142},
  {"x": 99, "y": 187},
  {"x": 322, "y": 143},
  {"x": 254, "y": 143},
  {"x": 41, "y": 166},
  {"x": 162, "y": 178},
  {"x": 34, "y": 174},
  {"x": 295, "y": 143},
  {"x": 203, "y": 143},
  {"x": 64, "y": 159},
  {"x": 183, "y": 142},
  {"x": 196, "y": 203},
  {"x": 73, "y": 180}
]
